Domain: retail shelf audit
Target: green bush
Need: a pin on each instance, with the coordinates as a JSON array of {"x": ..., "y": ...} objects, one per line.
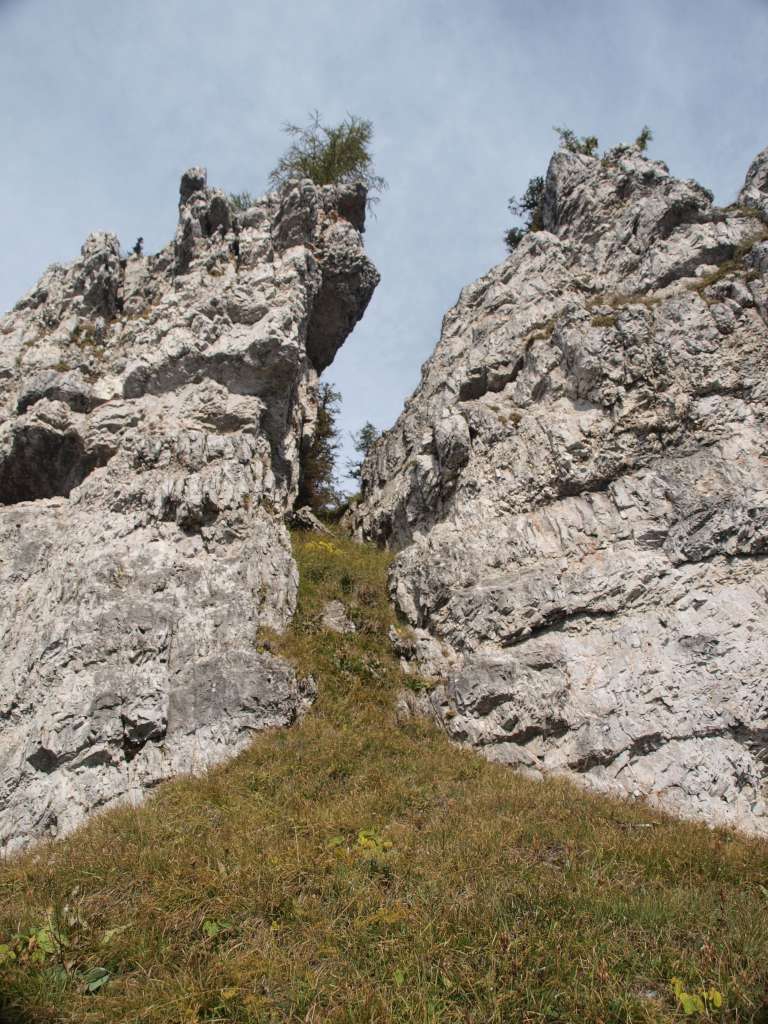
[
  {"x": 586, "y": 145},
  {"x": 330, "y": 155},
  {"x": 528, "y": 207},
  {"x": 642, "y": 140},
  {"x": 241, "y": 200}
]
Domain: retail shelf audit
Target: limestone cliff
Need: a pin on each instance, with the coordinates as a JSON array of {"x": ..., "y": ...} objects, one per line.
[
  {"x": 579, "y": 492},
  {"x": 153, "y": 411}
]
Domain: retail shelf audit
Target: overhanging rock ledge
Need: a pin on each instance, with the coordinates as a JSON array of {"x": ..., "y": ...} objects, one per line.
[{"x": 152, "y": 416}]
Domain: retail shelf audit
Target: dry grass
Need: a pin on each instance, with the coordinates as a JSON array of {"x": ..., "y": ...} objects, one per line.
[
  {"x": 353, "y": 870},
  {"x": 618, "y": 300},
  {"x": 604, "y": 320},
  {"x": 541, "y": 331},
  {"x": 731, "y": 266}
]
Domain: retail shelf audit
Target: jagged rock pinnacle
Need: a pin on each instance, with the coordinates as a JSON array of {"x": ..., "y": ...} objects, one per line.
[
  {"x": 579, "y": 487},
  {"x": 153, "y": 413}
]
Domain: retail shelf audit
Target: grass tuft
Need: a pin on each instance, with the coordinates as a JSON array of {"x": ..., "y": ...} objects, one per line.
[{"x": 352, "y": 869}]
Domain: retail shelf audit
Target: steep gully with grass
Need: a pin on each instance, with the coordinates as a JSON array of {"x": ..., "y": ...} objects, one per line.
[
  {"x": 576, "y": 493},
  {"x": 359, "y": 867}
]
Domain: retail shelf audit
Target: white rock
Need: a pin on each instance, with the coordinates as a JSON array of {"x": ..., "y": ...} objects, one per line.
[
  {"x": 592, "y": 548},
  {"x": 335, "y": 618},
  {"x": 151, "y": 419}
]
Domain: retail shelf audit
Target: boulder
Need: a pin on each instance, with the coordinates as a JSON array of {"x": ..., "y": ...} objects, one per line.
[{"x": 336, "y": 620}]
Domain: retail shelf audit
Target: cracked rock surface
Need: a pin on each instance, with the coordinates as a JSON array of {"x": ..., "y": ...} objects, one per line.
[
  {"x": 578, "y": 490},
  {"x": 152, "y": 416}
]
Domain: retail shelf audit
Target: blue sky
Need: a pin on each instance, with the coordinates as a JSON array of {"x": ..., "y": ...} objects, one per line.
[{"x": 106, "y": 102}]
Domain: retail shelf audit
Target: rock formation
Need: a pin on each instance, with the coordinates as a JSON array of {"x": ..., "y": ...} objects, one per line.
[
  {"x": 578, "y": 490},
  {"x": 153, "y": 415}
]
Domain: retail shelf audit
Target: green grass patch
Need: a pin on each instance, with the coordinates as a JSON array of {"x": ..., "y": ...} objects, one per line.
[
  {"x": 352, "y": 869},
  {"x": 618, "y": 300},
  {"x": 731, "y": 266},
  {"x": 604, "y": 320}
]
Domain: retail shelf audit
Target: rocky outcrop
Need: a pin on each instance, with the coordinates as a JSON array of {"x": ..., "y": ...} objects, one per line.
[
  {"x": 153, "y": 415},
  {"x": 578, "y": 490}
]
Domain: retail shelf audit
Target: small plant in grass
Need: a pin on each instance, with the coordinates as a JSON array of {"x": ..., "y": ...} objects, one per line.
[
  {"x": 212, "y": 928},
  {"x": 702, "y": 1001},
  {"x": 418, "y": 684},
  {"x": 372, "y": 842},
  {"x": 38, "y": 944},
  {"x": 95, "y": 979}
]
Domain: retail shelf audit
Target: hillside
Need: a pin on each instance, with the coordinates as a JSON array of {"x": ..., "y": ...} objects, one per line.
[{"x": 362, "y": 867}]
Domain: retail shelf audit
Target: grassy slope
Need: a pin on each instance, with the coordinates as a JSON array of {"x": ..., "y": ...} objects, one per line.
[{"x": 360, "y": 870}]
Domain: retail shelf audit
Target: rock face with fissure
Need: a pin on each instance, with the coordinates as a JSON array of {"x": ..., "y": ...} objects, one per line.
[
  {"x": 153, "y": 415},
  {"x": 579, "y": 492}
]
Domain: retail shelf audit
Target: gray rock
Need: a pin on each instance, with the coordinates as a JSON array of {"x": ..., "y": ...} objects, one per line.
[
  {"x": 420, "y": 652},
  {"x": 305, "y": 519},
  {"x": 755, "y": 191},
  {"x": 70, "y": 387},
  {"x": 578, "y": 492},
  {"x": 152, "y": 414},
  {"x": 335, "y": 618}
]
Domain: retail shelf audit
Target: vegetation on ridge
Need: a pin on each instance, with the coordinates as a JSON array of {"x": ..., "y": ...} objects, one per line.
[
  {"x": 528, "y": 207},
  {"x": 330, "y": 154},
  {"x": 327, "y": 155},
  {"x": 355, "y": 869},
  {"x": 363, "y": 441}
]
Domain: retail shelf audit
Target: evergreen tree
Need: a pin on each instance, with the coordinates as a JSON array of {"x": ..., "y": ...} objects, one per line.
[
  {"x": 362, "y": 441},
  {"x": 528, "y": 208},
  {"x": 317, "y": 484}
]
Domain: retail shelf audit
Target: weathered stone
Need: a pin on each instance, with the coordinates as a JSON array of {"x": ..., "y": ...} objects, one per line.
[
  {"x": 592, "y": 548},
  {"x": 335, "y": 618},
  {"x": 755, "y": 191},
  {"x": 152, "y": 412},
  {"x": 305, "y": 519}
]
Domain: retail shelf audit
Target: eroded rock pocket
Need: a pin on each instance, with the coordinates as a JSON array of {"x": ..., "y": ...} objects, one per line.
[{"x": 43, "y": 463}]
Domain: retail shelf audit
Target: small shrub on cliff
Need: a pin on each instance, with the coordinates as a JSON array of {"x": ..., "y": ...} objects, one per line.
[
  {"x": 586, "y": 145},
  {"x": 330, "y": 155},
  {"x": 241, "y": 200},
  {"x": 528, "y": 208},
  {"x": 642, "y": 140}
]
